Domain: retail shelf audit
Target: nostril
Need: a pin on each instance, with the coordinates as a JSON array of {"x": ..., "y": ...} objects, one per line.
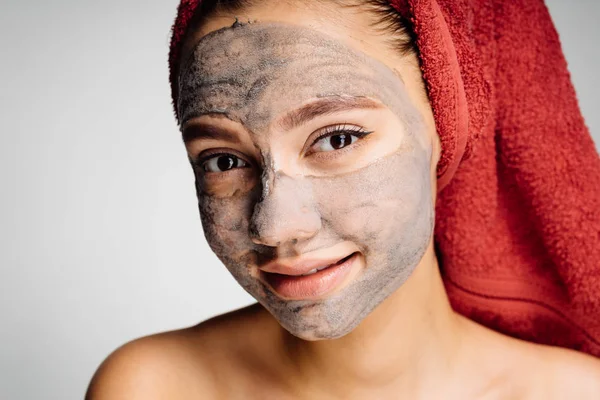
[
  {"x": 279, "y": 237},
  {"x": 265, "y": 241}
]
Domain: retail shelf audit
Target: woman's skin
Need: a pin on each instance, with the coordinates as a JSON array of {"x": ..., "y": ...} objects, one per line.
[{"x": 378, "y": 327}]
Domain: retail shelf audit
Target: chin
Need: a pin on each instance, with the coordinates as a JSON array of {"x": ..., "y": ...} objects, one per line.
[
  {"x": 317, "y": 335},
  {"x": 315, "y": 322}
]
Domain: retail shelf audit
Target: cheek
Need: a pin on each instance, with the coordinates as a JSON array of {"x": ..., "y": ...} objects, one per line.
[
  {"x": 385, "y": 203},
  {"x": 225, "y": 222},
  {"x": 225, "y": 203}
]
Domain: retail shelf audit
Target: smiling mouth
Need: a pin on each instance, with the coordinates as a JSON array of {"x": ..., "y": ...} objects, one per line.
[{"x": 315, "y": 283}]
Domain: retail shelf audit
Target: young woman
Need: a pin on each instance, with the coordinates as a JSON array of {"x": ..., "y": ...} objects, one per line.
[{"x": 319, "y": 142}]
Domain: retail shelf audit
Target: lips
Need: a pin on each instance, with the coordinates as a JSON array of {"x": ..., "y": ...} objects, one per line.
[
  {"x": 308, "y": 279},
  {"x": 301, "y": 267}
]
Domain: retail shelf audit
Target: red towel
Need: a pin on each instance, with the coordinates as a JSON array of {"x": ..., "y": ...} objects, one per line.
[{"x": 518, "y": 213}]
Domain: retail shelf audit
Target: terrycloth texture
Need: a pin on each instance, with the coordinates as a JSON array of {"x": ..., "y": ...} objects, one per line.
[{"x": 518, "y": 219}]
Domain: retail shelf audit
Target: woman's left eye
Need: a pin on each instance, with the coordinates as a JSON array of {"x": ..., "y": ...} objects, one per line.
[{"x": 338, "y": 138}]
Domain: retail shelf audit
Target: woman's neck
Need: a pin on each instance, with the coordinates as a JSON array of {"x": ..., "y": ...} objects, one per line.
[{"x": 408, "y": 344}]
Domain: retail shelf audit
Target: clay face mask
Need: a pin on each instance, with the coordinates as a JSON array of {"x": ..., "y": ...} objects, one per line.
[{"x": 370, "y": 199}]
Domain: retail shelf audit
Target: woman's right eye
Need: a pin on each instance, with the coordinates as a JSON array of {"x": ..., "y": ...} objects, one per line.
[{"x": 223, "y": 163}]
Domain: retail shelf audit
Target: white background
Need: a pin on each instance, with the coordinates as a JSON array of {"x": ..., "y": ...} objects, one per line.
[{"x": 100, "y": 235}]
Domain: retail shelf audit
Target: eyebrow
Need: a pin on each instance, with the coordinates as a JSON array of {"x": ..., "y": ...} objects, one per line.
[
  {"x": 325, "y": 106},
  {"x": 203, "y": 130}
]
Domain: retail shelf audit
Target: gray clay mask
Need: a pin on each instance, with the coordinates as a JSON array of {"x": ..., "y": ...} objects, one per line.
[{"x": 252, "y": 75}]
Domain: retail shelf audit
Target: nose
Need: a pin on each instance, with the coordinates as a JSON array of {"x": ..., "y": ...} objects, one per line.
[{"x": 286, "y": 212}]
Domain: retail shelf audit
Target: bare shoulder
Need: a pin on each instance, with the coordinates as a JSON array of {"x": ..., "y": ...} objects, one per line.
[
  {"x": 518, "y": 369},
  {"x": 574, "y": 374},
  {"x": 182, "y": 364},
  {"x": 153, "y": 367},
  {"x": 558, "y": 373}
]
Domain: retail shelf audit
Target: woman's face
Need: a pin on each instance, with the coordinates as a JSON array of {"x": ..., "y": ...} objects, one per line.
[{"x": 313, "y": 164}]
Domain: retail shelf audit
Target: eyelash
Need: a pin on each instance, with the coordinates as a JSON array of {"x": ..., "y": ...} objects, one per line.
[
  {"x": 201, "y": 160},
  {"x": 338, "y": 130}
]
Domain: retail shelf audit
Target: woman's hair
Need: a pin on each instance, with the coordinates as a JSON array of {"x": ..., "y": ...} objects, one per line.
[{"x": 394, "y": 28}]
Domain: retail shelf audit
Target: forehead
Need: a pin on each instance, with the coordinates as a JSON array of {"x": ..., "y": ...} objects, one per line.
[{"x": 254, "y": 72}]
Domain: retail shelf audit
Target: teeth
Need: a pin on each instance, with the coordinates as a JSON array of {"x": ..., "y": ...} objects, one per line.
[{"x": 314, "y": 271}]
